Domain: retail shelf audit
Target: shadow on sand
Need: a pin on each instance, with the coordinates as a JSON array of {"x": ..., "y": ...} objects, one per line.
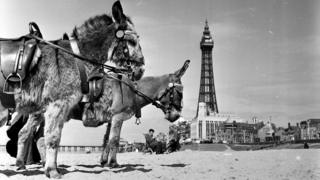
[
  {"x": 175, "y": 165},
  {"x": 131, "y": 167},
  {"x": 63, "y": 170},
  {"x": 9, "y": 172}
]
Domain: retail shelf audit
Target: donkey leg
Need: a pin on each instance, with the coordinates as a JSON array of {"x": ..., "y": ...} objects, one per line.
[
  {"x": 4, "y": 112},
  {"x": 40, "y": 142},
  {"x": 25, "y": 134},
  {"x": 105, "y": 152},
  {"x": 55, "y": 117},
  {"x": 113, "y": 143},
  {"x": 3, "y": 116},
  {"x": 42, "y": 150}
]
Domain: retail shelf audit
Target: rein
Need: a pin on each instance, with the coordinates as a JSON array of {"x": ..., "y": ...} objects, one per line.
[{"x": 92, "y": 61}]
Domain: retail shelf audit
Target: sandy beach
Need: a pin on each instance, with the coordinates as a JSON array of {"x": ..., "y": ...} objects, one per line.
[{"x": 265, "y": 164}]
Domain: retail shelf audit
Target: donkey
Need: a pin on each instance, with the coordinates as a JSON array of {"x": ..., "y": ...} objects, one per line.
[
  {"x": 53, "y": 86},
  {"x": 120, "y": 100},
  {"x": 123, "y": 100}
]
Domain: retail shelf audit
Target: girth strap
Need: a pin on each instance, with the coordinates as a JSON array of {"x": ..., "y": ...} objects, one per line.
[{"x": 83, "y": 77}]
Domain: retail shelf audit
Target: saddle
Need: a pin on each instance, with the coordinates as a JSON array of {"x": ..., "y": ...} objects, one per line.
[
  {"x": 95, "y": 83},
  {"x": 16, "y": 55},
  {"x": 95, "y": 86}
]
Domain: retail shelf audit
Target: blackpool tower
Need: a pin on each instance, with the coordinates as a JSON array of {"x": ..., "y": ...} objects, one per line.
[{"x": 207, "y": 93}]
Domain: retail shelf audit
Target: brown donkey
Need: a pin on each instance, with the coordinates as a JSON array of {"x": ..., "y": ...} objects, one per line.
[{"x": 53, "y": 86}]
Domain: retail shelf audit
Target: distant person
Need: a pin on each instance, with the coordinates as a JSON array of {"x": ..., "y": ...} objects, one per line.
[
  {"x": 174, "y": 138},
  {"x": 306, "y": 146},
  {"x": 152, "y": 145}
]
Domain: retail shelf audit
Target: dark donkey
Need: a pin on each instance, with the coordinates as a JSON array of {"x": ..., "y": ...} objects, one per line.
[
  {"x": 53, "y": 86},
  {"x": 125, "y": 97}
]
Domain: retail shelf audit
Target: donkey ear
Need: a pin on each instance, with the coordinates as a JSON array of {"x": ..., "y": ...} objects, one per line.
[
  {"x": 117, "y": 12},
  {"x": 181, "y": 71}
]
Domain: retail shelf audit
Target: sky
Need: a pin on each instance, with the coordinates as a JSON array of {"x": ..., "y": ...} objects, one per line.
[{"x": 265, "y": 59}]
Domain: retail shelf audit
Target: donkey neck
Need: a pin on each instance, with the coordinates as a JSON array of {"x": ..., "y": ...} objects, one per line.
[{"x": 152, "y": 87}]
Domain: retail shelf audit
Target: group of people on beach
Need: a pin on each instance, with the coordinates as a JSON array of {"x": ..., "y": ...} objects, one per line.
[{"x": 160, "y": 146}]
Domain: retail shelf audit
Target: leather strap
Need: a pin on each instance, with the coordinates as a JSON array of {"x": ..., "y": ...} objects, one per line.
[
  {"x": 111, "y": 49},
  {"x": 74, "y": 46},
  {"x": 81, "y": 68},
  {"x": 92, "y": 61}
]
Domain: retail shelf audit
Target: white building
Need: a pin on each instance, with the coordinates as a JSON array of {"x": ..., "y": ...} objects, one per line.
[{"x": 208, "y": 124}]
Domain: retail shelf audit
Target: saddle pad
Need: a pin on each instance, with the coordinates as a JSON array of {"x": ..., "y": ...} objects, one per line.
[{"x": 15, "y": 57}]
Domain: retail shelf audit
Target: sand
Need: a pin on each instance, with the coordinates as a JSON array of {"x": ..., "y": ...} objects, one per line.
[{"x": 265, "y": 164}]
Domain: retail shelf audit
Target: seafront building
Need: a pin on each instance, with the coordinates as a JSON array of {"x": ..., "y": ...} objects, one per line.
[
  {"x": 210, "y": 125},
  {"x": 310, "y": 129}
]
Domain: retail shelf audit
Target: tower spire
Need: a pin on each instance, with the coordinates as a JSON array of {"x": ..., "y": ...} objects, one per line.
[
  {"x": 206, "y": 29},
  {"x": 207, "y": 93}
]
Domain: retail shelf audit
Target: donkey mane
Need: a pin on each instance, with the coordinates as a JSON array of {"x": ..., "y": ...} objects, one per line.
[
  {"x": 92, "y": 26},
  {"x": 95, "y": 36}
]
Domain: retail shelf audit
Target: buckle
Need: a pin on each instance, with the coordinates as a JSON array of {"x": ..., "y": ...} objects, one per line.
[{"x": 120, "y": 34}]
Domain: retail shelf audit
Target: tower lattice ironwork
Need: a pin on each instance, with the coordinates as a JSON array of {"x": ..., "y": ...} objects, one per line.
[{"x": 207, "y": 91}]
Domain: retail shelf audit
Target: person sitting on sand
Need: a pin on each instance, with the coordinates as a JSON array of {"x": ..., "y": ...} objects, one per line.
[{"x": 152, "y": 145}]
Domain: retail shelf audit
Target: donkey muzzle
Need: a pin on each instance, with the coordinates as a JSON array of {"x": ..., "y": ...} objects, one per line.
[{"x": 172, "y": 115}]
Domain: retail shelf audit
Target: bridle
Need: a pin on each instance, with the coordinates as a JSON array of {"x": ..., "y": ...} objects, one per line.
[
  {"x": 120, "y": 47},
  {"x": 172, "y": 90}
]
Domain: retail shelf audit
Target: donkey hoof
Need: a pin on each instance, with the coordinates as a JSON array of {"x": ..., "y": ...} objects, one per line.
[
  {"x": 104, "y": 163},
  {"x": 50, "y": 173},
  {"x": 43, "y": 163},
  {"x": 113, "y": 165},
  {"x": 20, "y": 165}
]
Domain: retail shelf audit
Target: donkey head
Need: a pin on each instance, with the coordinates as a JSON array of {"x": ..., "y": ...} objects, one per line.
[
  {"x": 112, "y": 41},
  {"x": 127, "y": 50},
  {"x": 171, "y": 97}
]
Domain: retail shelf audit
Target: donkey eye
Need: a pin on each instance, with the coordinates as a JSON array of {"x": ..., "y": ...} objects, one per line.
[{"x": 132, "y": 42}]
